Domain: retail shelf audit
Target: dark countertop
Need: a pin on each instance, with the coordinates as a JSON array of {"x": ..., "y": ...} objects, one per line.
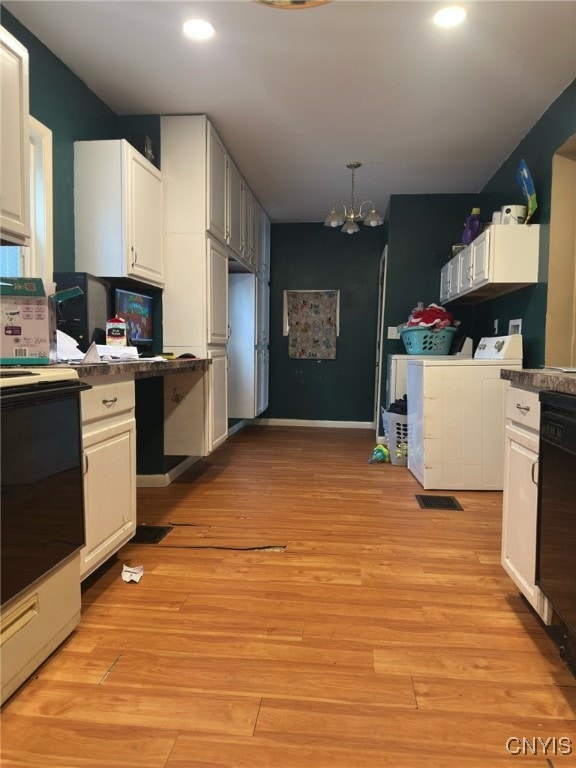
[
  {"x": 142, "y": 369},
  {"x": 541, "y": 379}
]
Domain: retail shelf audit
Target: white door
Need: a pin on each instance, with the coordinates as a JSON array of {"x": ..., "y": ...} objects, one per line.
[{"x": 380, "y": 363}]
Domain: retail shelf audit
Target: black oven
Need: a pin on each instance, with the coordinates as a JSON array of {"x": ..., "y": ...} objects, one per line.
[
  {"x": 42, "y": 509},
  {"x": 556, "y": 560}
]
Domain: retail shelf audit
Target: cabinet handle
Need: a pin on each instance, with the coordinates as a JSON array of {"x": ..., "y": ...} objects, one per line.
[
  {"x": 85, "y": 462},
  {"x": 135, "y": 259},
  {"x": 110, "y": 402},
  {"x": 523, "y": 408},
  {"x": 534, "y": 465}
]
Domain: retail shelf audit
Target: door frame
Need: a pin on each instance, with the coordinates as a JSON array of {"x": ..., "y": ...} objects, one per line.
[{"x": 379, "y": 342}]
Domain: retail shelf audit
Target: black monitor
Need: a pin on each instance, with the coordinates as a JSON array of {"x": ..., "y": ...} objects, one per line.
[
  {"x": 83, "y": 317},
  {"x": 137, "y": 309}
]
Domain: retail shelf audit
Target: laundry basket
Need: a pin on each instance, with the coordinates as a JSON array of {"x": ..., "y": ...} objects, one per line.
[
  {"x": 426, "y": 341},
  {"x": 395, "y": 427}
]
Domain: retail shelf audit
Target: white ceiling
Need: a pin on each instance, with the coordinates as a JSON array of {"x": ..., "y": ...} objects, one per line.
[{"x": 296, "y": 94}]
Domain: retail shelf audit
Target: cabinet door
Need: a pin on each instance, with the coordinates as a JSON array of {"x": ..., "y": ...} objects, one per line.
[
  {"x": 234, "y": 208},
  {"x": 248, "y": 216},
  {"x": 257, "y": 214},
  {"x": 262, "y": 311},
  {"x": 144, "y": 220},
  {"x": 109, "y": 491},
  {"x": 519, "y": 522},
  {"x": 480, "y": 259},
  {"x": 217, "y": 294},
  {"x": 264, "y": 260},
  {"x": 262, "y": 377},
  {"x": 466, "y": 267},
  {"x": 14, "y": 147},
  {"x": 216, "y": 192},
  {"x": 449, "y": 276},
  {"x": 444, "y": 284},
  {"x": 217, "y": 399}
]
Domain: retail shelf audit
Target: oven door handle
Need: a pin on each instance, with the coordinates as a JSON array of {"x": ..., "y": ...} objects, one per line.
[{"x": 36, "y": 393}]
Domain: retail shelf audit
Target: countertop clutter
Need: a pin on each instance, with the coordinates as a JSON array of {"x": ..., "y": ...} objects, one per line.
[{"x": 550, "y": 379}]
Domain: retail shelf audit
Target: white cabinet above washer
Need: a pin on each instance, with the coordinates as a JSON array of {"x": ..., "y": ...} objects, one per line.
[{"x": 502, "y": 259}]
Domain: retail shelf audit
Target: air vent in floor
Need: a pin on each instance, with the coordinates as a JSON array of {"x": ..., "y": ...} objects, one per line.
[
  {"x": 437, "y": 502},
  {"x": 150, "y": 534}
]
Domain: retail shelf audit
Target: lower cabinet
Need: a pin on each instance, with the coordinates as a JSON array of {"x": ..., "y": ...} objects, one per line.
[
  {"x": 109, "y": 446},
  {"x": 217, "y": 398},
  {"x": 520, "y": 498}
]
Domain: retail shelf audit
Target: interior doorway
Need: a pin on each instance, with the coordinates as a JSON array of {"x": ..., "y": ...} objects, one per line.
[
  {"x": 560, "y": 345},
  {"x": 380, "y": 363}
]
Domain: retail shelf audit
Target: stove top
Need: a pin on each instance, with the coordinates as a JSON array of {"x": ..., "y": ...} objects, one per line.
[{"x": 19, "y": 377}]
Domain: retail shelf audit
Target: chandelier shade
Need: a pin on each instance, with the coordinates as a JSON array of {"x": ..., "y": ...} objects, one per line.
[
  {"x": 293, "y": 4},
  {"x": 347, "y": 216}
]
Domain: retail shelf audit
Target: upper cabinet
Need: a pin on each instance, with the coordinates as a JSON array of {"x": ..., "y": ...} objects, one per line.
[
  {"x": 500, "y": 260},
  {"x": 216, "y": 222},
  {"x": 118, "y": 212},
  {"x": 232, "y": 211},
  {"x": 15, "y": 142}
]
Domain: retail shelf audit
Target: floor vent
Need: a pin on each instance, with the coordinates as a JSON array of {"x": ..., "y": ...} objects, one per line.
[
  {"x": 437, "y": 502},
  {"x": 150, "y": 534}
]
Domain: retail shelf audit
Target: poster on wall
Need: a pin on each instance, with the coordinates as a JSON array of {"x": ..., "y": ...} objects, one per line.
[{"x": 311, "y": 319}]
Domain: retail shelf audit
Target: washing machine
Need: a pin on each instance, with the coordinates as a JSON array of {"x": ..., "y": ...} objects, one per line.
[{"x": 456, "y": 416}]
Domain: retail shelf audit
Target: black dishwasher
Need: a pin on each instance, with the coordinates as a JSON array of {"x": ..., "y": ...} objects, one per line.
[{"x": 556, "y": 558}]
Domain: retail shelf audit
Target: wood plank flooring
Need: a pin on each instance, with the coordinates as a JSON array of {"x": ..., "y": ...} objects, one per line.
[{"x": 303, "y": 612}]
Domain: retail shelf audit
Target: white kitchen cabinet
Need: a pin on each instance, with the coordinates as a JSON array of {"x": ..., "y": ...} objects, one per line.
[
  {"x": 520, "y": 498},
  {"x": 216, "y": 186},
  {"x": 262, "y": 378},
  {"x": 217, "y": 293},
  {"x": 109, "y": 447},
  {"x": 118, "y": 212},
  {"x": 500, "y": 260},
  {"x": 262, "y": 311},
  {"x": 449, "y": 279},
  {"x": 15, "y": 142},
  {"x": 234, "y": 208},
  {"x": 217, "y": 398}
]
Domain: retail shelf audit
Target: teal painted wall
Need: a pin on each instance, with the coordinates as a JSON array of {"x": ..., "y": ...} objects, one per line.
[
  {"x": 66, "y": 105},
  {"x": 422, "y": 229},
  {"x": 552, "y": 130},
  {"x": 308, "y": 257}
]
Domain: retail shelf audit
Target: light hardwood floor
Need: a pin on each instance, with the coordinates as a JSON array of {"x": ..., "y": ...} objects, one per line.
[{"x": 303, "y": 612}]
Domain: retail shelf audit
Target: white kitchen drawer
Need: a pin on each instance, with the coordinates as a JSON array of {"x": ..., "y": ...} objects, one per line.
[
  {"x": 108, "y": 397},
  {"x": 523, "y": 407}
]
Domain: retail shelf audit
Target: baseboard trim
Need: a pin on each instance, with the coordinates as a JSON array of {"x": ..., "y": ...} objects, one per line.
[
  {"x": 161, "y": 481},
  {"x": 314, "y": 423}
]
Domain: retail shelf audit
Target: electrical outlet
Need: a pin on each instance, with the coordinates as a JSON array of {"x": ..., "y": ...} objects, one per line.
[
  {"x": 496, "y": 327},
  {"x": 393, "y": 332}
]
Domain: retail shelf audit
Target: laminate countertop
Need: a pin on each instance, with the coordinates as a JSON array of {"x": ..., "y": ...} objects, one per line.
[
  {"x": 142, "y": 369},
  {"x": 541, "y": 379}
]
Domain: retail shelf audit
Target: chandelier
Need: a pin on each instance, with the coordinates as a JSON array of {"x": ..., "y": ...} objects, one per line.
[
  {"x": 293, "y": 4},
  {"x": 348, "y": 216}
]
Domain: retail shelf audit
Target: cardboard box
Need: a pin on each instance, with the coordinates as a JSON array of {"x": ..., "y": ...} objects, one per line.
[{"x": 28, "y": 322}]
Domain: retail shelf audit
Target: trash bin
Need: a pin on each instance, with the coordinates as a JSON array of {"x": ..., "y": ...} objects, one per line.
[{"x": 395, "y": 427}]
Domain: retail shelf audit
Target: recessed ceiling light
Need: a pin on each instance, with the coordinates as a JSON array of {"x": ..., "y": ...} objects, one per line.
[
  {"x": 450, "y": 16},
  {"x": 198, "y": 29}
]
